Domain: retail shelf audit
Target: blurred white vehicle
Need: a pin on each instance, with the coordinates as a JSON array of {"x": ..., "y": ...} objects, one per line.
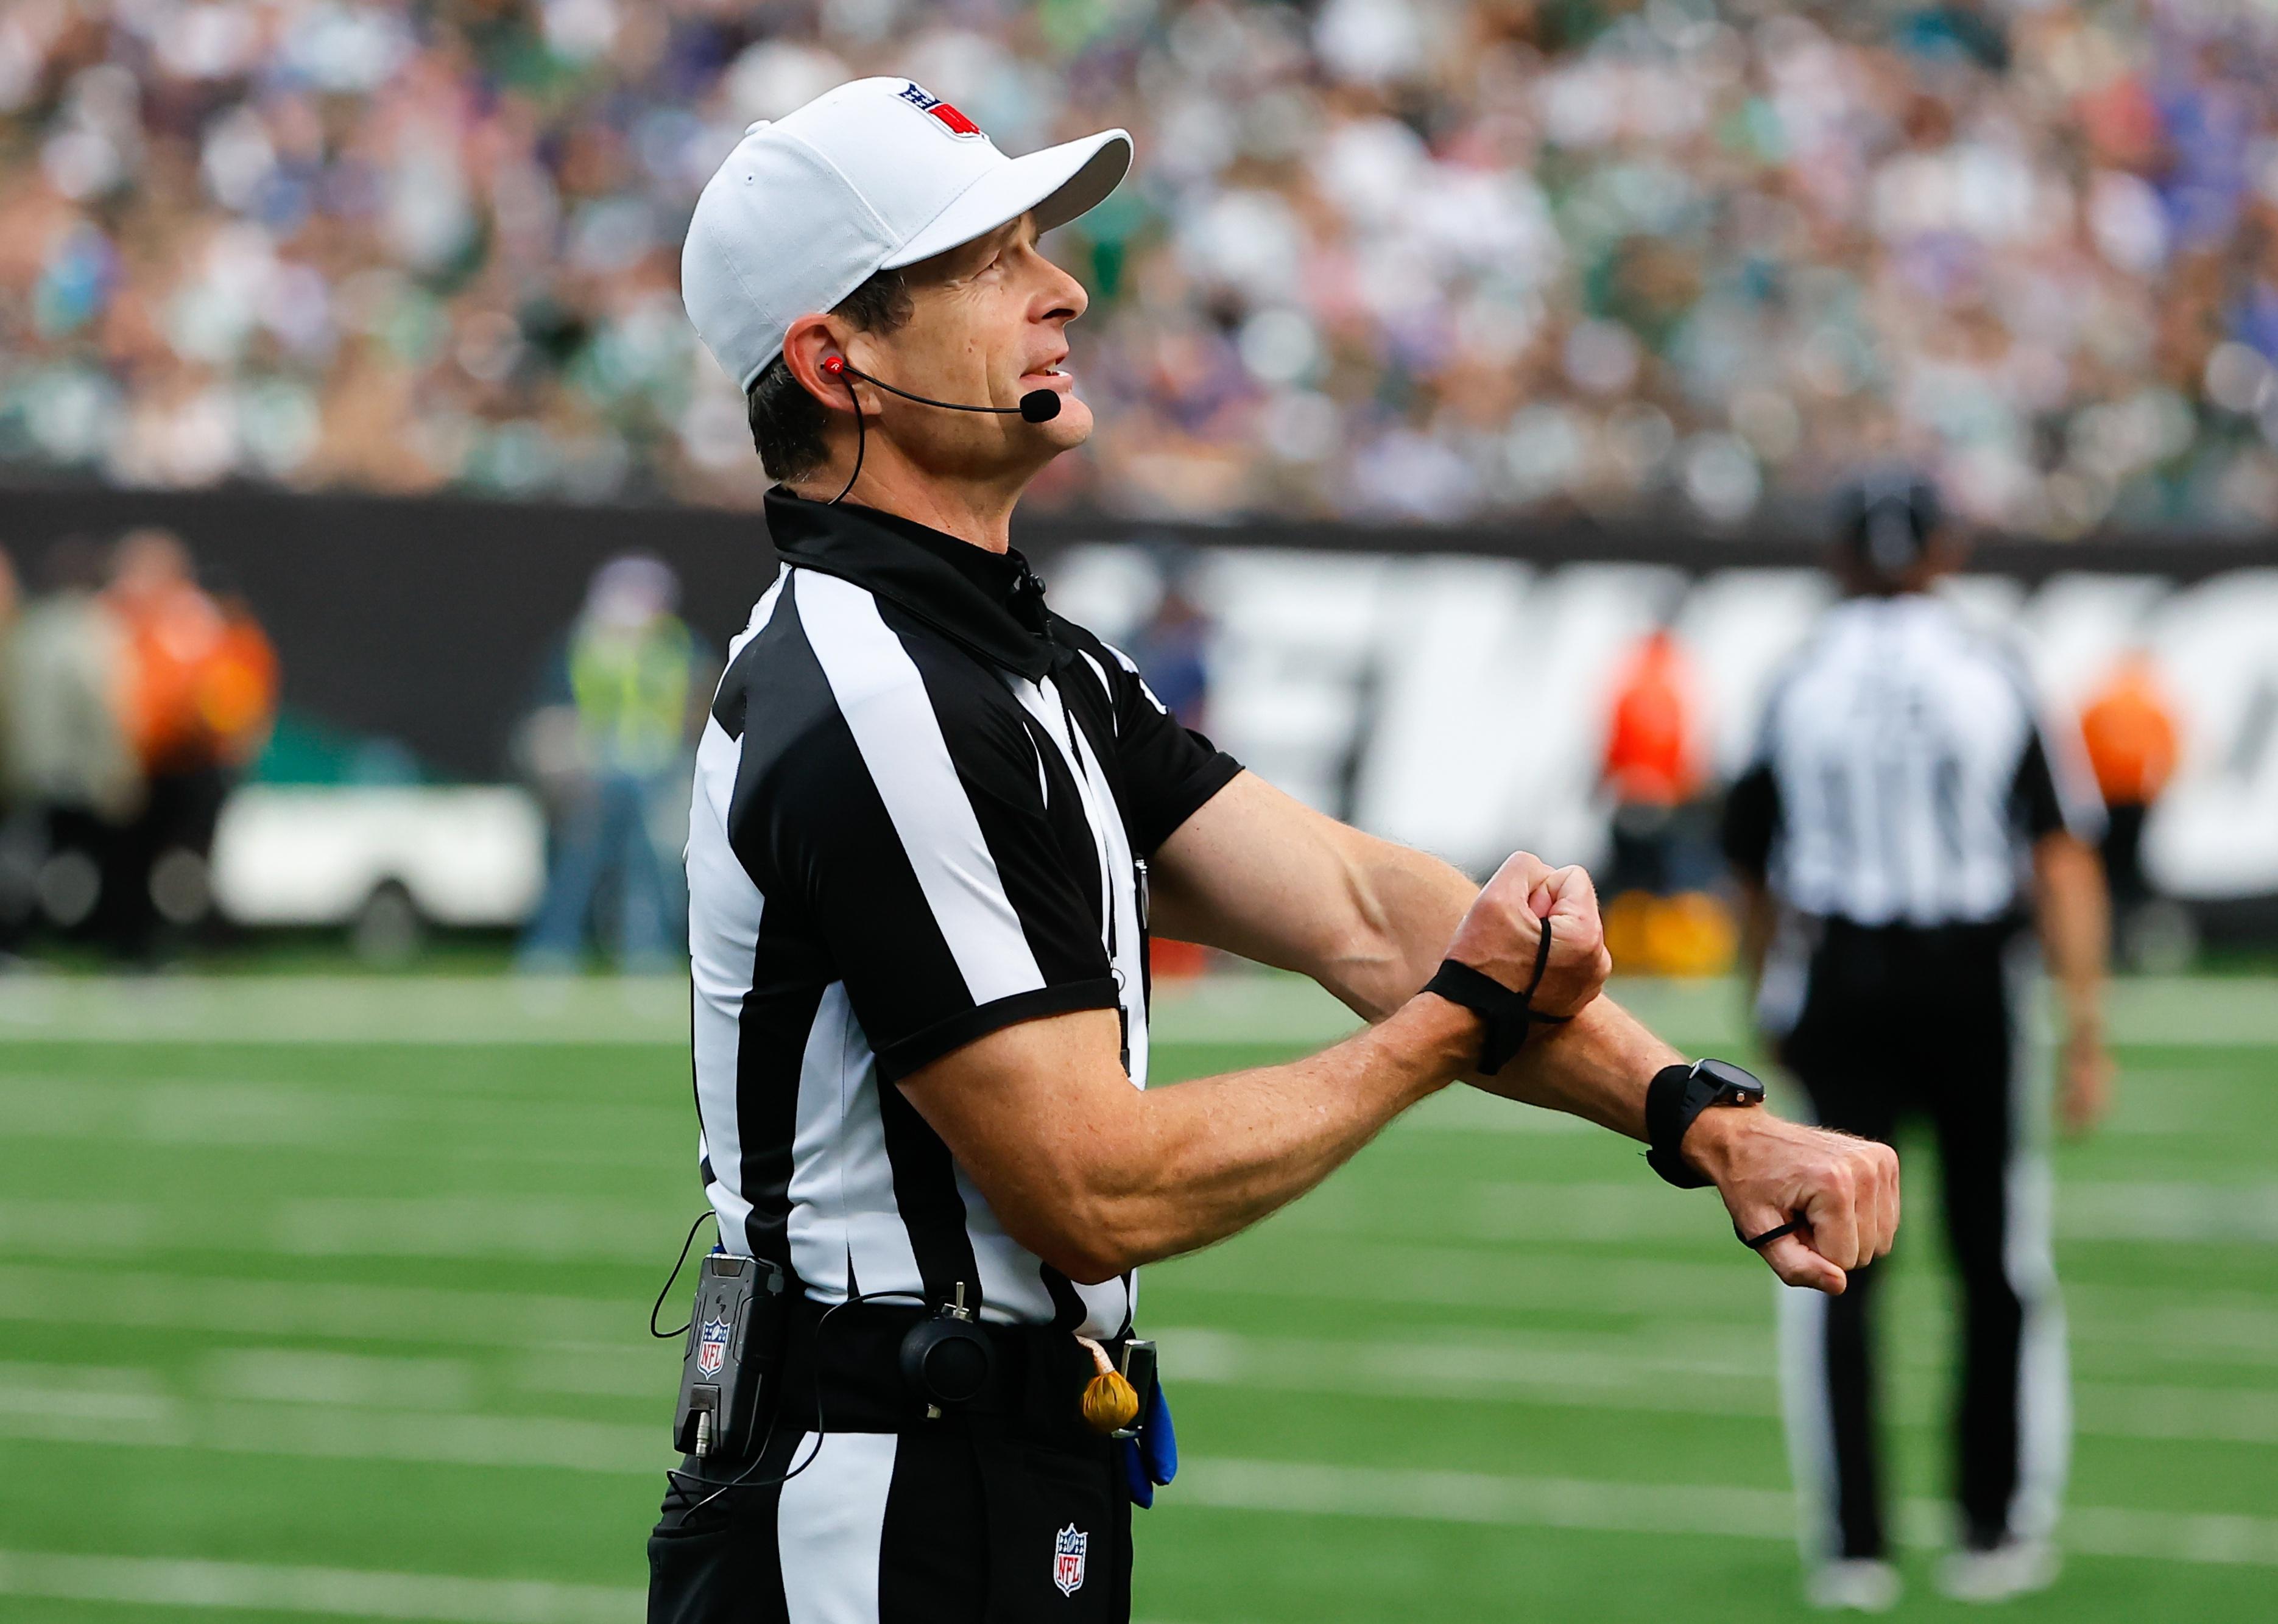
[{"x": 382, "y": 860}]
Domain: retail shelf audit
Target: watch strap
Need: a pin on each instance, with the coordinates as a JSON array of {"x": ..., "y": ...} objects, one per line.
[
  {"x": 1678, "y": 1095},
  {"x": 1672, "y": 1100}
]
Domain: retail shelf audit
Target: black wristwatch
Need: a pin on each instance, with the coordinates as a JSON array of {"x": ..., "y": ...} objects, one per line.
[{"x": 1675, "y": 1097}]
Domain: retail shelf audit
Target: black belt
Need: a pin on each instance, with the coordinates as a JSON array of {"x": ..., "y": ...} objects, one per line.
[
  {"x": 850, "y": 1367},
  {"x": 1927, "y": 940}
]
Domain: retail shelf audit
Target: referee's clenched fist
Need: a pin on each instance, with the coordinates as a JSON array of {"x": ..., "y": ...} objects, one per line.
[
  {"x": 1771, "y": 1173},
  {"x": 1503, "y": 935}
]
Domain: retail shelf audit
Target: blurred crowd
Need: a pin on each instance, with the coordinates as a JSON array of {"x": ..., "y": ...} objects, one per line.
[
  {"x": 1411, "y": 259},
  {"x": 130, "y": 700}
]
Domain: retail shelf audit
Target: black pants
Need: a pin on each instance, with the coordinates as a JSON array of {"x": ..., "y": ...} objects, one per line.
[
  {"x": 1929, "y": 1026},
  {"x": 958, "y": 1522}
]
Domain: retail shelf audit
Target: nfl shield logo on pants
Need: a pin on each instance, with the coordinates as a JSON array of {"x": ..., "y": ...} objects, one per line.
[
  {"x": 1067, "y": 1559},
  {"x": 711, "y": 1347}
]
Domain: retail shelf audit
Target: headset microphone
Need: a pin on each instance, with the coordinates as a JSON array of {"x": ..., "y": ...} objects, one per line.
[{"x": 1037, "y": 406}]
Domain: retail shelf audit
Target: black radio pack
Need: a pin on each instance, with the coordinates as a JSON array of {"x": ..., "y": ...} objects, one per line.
[{"x": 735, "y": 1346}]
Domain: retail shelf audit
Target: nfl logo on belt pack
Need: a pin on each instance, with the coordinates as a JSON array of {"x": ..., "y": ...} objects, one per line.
[
  {"x": 1067, "y": 1559},
  {"x": 712, "y": 1347}
]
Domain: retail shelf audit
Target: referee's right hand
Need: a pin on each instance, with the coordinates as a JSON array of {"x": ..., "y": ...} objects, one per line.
[{"x": 1770, "y": 1171}]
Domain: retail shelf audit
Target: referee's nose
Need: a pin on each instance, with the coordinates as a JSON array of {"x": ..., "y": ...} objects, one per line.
[{"x": 1058, "y": 298}]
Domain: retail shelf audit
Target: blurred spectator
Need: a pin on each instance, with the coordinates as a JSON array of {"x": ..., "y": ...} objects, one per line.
[
  {"x": 2129, "y": 728},
  {"x": 201, "y": 697},
  {"x": 73, "y": 774},
  {"x": 1651, "y": 767},
  {"x": 1172, "y": 650},
  {"x": 1659, "y": 918},
  {"x": 1410, "y": 258},
  {"x": 609, "y": 745}
]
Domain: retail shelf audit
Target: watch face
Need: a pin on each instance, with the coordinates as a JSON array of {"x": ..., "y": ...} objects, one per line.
[{"x": 1734, "y": 1085}]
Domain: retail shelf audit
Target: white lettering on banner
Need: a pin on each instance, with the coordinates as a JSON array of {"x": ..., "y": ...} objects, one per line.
[{"x": 1459, "y": 703}]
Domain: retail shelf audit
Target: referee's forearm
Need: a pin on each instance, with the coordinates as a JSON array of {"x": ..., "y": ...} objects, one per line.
[
  {"x": 1207, "y": 1159},
  {"x": 2075, "y": 924},
  {"x": 1596, "y": 1067}
]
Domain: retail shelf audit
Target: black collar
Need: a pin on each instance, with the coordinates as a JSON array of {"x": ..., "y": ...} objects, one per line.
[{"x": 990, "y": 602}]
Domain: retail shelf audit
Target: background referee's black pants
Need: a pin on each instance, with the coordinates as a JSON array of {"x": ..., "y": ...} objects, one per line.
[{"x": 1902, "y": 1024}]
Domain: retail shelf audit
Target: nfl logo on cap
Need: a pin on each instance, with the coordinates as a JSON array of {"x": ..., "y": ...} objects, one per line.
[
  {"x": 712, "y": 1347},
  {"x": 1067, "y": 1559},
  {"x": 955, "y": 122}
]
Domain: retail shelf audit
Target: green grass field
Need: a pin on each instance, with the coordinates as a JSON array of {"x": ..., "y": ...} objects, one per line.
[{"x": 285, "y": 1333}]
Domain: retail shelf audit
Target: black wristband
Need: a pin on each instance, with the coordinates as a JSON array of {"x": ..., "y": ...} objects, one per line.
[
  {"x": 1509, "y": 1015},
  {"x": 1666, "y": 1119},
  {"x": 1675, "y": 1096}
]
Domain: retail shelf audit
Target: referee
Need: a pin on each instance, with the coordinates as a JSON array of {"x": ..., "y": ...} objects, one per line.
[
  {"x": 928, "y": 819},
  {"x": 1904, "y": 822}
]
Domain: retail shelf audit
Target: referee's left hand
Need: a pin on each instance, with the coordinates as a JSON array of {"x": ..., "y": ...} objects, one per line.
[{"x": 1770, "y": 1170}]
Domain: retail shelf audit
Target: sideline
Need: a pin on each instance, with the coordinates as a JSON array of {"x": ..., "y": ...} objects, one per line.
[
  {"x": 157, "y": 1582},
  {"x": 1315, "y": 1489},
  {"x": 1238, "y": 1007}
]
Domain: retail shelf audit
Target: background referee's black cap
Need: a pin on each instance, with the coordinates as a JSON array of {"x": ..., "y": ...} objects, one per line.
[{"x": 1885, "y": 518}]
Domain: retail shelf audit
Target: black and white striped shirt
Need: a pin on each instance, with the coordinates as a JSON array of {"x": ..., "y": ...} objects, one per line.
[
  {"x": 1902, "y": 772},
  {"x": 923, "y": 805}
]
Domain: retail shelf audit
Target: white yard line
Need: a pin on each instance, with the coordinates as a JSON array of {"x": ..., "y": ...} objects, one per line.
[
  {"x": 1313, "y": 1489},
  {"x": 157, "y": 1581},
  {"x": 1673, "y": 1380},
  {"x": 1237, "y": 1008},
  {"x": 291, "y": 1402},
  {"x": 480, "y": 1010},
  {"x": 561, "y": 1228},
  {"x": 253, "y": 1308},
  {"x": 1305, "y": 1487},
  {"x": 325, "y": 1432},
  {"x": 1700, "y": 1302}
]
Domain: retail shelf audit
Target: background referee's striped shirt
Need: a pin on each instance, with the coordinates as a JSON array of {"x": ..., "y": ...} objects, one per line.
[
  {"x": 1902, "y": 772},
  {"x": 920, "y": 804}
]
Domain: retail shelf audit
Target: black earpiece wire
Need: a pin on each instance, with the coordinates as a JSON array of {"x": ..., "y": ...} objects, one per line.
[
  {"x": 844, "y": 374},
  {"x": 742, "y": 1479},
  {"x": 658, "y": 1306}
]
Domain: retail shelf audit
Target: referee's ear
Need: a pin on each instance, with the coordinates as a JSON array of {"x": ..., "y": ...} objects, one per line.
[{"x": 810, "y": 341}]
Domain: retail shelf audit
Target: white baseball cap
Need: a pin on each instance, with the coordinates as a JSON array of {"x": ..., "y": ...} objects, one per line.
[{"x": 875, "y": 174}]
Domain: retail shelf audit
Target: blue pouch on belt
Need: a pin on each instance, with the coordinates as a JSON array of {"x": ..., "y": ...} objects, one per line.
[{"x": 1151, "y": 1457}]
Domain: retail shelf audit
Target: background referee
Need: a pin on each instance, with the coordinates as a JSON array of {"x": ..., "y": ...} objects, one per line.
[{"x": 1905, "y": 819}]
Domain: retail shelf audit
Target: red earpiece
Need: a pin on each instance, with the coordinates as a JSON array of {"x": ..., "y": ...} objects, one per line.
[{"x": 834, "y": 365}]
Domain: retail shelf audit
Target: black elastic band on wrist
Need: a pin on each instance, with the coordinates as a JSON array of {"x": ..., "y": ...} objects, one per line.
[{"x": 1509, "y": 1015}]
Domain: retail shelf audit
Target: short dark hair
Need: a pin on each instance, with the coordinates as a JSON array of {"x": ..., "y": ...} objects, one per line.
[{"x": 787, "y": 422}]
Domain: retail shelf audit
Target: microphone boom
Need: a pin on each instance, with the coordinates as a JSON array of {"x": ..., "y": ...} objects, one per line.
[{"x": 1037, "y": 406}]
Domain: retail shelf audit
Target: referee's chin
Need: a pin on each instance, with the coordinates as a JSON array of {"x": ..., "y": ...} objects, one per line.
[{"x": 1070, "y": 429}]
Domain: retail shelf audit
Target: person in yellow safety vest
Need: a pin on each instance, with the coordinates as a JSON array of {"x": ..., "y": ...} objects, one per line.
[
  {"x": 2129, "y": 729},
  {"x": 611, "y": 745}
]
